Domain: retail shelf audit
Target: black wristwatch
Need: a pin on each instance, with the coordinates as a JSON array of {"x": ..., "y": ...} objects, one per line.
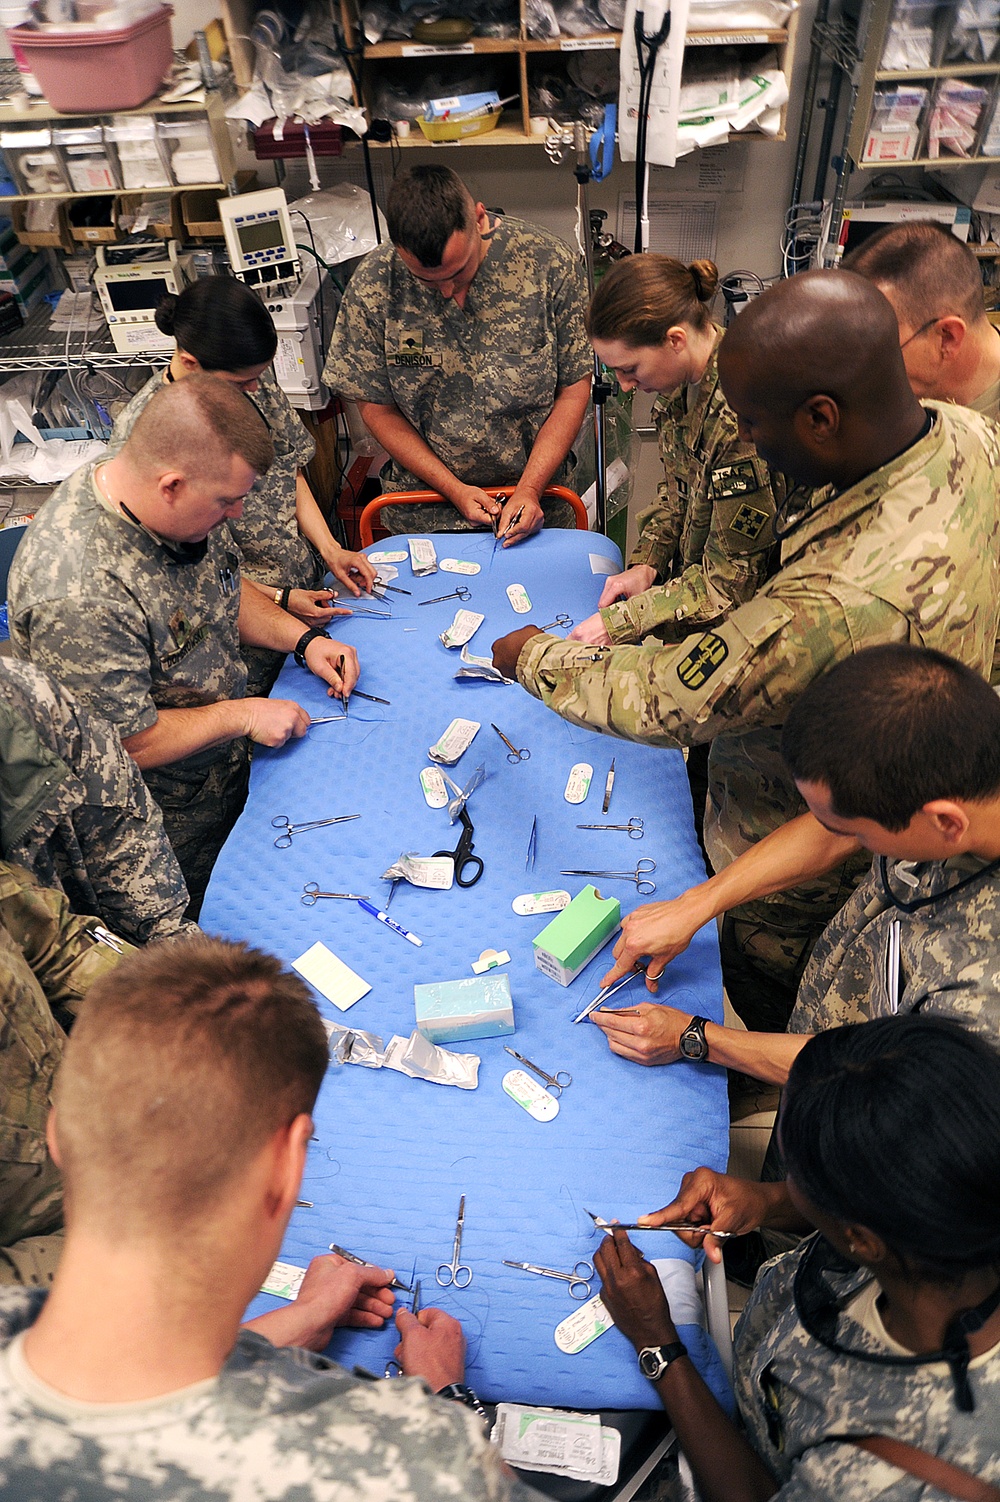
[
  {"x": 654, "y": 1360},
  {"x": 459, "y": 1393},
  {"x": 299, "y": 650},
  {"x": 692, "y": 1042}
]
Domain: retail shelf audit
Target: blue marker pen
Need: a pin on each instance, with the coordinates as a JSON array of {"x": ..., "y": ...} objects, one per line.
[{"x": 397, "y": 928}]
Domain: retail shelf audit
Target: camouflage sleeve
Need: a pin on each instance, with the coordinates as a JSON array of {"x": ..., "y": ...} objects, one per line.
[
  {"x": 98, "y": 649},
  {"x": 355, "y": 364},
  {"x": 574, "y": 356},
  {"x": 55, "y": 942},
  {"x": 742, "y": 674}
]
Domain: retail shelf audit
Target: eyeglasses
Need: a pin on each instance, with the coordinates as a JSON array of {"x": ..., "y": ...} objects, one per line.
[{"x": 921, "y": 330}]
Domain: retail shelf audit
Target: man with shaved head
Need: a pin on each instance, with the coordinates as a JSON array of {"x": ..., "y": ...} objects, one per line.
[
  {"x": 891, "y": 537},
  {"x": 126, "y": 590},
  {"x": 950, "y": 349}
]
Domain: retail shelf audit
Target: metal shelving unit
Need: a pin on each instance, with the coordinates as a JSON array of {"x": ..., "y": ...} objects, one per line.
[{"x": 36, "y": 348}]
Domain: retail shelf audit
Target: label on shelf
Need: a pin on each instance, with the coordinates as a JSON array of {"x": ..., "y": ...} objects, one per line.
[
  {"x": 589, "y": 44},
  {"x": 427, "y": 49},
  {"x": 726, "y": 38}
]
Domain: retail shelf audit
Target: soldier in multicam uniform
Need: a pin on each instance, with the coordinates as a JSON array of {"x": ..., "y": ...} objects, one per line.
[
  {"x": 223, "y": 329},
  {"x": 127, "y": 588},
  {"x": 75, "y": 811},
  {"x": 49, "y": 959},
  {"x": 709, "y": 538},
  {"x": 922, "y": 931},
  {"x": 950, "y": 349},
  {"x": 463, "y": 343},
  {"x": 867, "y": 1361},
  {"x": 900, "y": 546},
  {"x": 183, "y": 1121}
]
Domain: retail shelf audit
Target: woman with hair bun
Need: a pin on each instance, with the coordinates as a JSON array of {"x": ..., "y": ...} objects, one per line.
[
  {"x": 224, "y": 330},
  {"x": 867, "y": 1360},
  {"x": 706, "y": 544}
]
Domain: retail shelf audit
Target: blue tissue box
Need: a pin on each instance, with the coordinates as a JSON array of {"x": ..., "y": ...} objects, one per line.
[{"x": 451, "y": 1010}]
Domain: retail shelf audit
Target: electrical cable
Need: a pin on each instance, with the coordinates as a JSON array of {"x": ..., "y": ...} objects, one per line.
[{"x": 347, "y": 55}]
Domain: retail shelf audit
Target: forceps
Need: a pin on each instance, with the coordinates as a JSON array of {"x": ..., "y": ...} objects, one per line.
[
  {"x": 640, "y": 876},
  {"x": 462, "y": 854},
  {"x": 284, "y": 823},
  {"x": 607, "y": 991},
  {"x": 633, "y": 827},
  {"x": 311, "y": 895},
  {"x": 578, "y": 1279},
  {"x": 363, "y": 1262},
  {"x": 560, "y": 620},
  {"x": 554, "y": 1082},
  {"x": 392, "y": 1366},
  {"x": 513, "y": 754},
  {"x": 455, "y": 1273},
  {"x": 677, "y": 1225},
  {"x": 463, "y": 592}
]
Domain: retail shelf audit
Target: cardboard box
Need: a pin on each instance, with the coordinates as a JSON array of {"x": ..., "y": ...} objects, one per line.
[
  {"x": 574, "y": 936},
  {"x": 476, "y": 1007},
  {"x": 59, "y": 236}
]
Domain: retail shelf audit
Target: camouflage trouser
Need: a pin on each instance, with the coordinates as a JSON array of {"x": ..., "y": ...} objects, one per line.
[
  {"x": 444, "y": 518},
  {"x": 32, "y": 1261},
  {"x": 761, "y": 970},
  {"x": 199, "y": 812},
  {"x": 31, "y": 1045}
]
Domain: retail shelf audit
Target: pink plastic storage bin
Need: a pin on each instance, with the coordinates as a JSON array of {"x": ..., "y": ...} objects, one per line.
[{"x": 98, "y": 71}]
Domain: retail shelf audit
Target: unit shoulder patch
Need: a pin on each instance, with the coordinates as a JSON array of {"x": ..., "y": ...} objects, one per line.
[
  {"x": 749, "y": 522},
  {"x": 705, "y": 658}
]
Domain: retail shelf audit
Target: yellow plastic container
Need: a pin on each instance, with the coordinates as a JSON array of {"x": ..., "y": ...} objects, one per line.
[{"x": 458, "y": 130}]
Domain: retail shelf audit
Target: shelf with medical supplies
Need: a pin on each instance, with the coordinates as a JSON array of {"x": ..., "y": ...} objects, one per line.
[
  {"x": 157, "y": 148},
  {"x": 928, "y": 89},
  {"x": 34, "y": 347}
]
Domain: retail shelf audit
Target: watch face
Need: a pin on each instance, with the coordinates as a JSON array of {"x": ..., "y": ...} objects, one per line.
[
  {"x": 651, "y": 1363},
  {"x": 692, "y": 1042}
]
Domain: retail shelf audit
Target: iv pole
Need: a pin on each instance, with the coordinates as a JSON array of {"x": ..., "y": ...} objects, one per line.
[{"x": 601, "y": 388}]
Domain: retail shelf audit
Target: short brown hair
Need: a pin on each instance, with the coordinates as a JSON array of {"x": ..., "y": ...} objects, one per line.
[
  {"x": 184, "y": 1060},
  {"x": 425, "y": 207},
  {"x": 643, "y": 296},
  {"x": 930, "y": 271},
  {"x": 200, "y": 420}
]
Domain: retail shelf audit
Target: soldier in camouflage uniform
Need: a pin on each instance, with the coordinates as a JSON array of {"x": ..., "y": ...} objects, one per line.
[
  {"x": 921, "y": 933},
  {"x": 138, "y": 623},
  {"x": 479, "y": 379},
  {"x": 75, "y": 811},
  {"x": 258, "y": 1423},
  {"x": 709, "y": 537},
  {"x": 223, "y": 329},
  {"x": 893, "y": 1130},
  {"x": 48, "y": 959},
  {"x": 906, "y": 551}
]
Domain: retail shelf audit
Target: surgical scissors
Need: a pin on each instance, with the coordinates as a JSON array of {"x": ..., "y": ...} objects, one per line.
[
  {"x": 634, "y": 827},
  {"x": 579, "y": 1278},
  {"x": 450, "y": 1274},
  {"x": 513, "y": 754},
  {"x": 311, "y": 895},
  {"x": 284, "y": 823},
  {"x": 609, "y": 1226},
  {"x": 462, "y": 854},
  {"x": 560, "y": 620},
  {"x": 553, "y": 1082},
  {"x": 641, "y": 875},
  {"x": 463, "y": 592}
]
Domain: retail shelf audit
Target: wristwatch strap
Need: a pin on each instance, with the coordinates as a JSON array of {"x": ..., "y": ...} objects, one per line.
[
  {"x": 299, "y": 651},
  {"x": 654, "y": 1360},
  {"x": 695, "y": 1030},
  {"x": 285, "y": 596},
  {"x": 460, "y": 1393}
]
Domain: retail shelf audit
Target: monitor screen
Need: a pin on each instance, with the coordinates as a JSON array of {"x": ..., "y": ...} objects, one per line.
[
  {"x": 134, "y": 297},
  {"x": 264, "y": 236}
]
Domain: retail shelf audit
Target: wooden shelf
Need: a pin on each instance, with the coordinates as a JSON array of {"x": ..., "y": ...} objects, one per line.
[
  {"x": 602, "y": 42},
  {"x": 39, "y": 111},
  {"x": 112, "y": 193},
  {"x": 929, "y": 161}
]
